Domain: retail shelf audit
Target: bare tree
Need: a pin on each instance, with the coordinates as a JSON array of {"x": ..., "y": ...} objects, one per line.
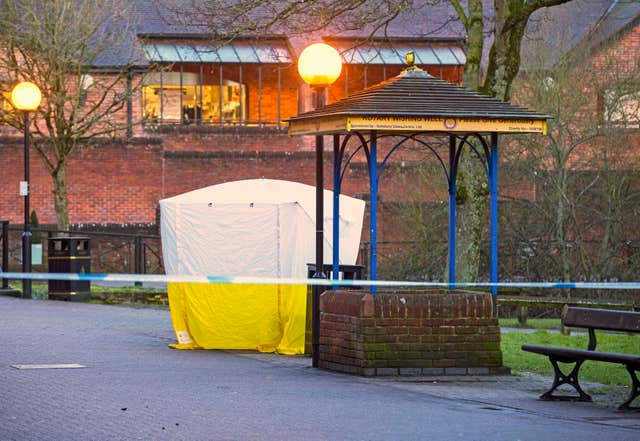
[
  {"x": 586, "y": 167},
  {"x": 80, "y": 54}
]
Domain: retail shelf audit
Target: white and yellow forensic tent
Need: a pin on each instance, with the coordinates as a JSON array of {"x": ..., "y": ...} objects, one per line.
[{"x": 259, "y": 228}]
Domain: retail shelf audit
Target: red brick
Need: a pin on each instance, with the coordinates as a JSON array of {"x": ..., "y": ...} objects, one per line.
[{"x": 391, "y": 341}]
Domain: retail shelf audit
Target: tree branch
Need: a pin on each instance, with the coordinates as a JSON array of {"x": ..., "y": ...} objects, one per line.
[{"x": 461, "y": 14}]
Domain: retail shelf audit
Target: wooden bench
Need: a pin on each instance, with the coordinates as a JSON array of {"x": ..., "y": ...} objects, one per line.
[{"x": 591, "y": 319}]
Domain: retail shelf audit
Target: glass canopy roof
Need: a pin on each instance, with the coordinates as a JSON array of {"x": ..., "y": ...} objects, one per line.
[
  {"x": 277, "y": 52},
  {"x": 240, "y": 52},
  {"x": 425, "y": 54}
]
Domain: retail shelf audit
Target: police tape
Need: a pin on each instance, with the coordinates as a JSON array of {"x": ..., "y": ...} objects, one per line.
[{"x": 245, "y": 280}]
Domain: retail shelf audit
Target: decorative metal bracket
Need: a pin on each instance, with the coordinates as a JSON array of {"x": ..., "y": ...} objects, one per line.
[{"x": 571, "y": 379}]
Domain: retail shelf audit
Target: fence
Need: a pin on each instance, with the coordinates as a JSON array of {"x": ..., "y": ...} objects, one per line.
[{"x": 111, "y": 252}]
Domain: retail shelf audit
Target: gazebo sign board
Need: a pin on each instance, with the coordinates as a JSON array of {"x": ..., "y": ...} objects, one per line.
[{"x": 403, "y": 124}]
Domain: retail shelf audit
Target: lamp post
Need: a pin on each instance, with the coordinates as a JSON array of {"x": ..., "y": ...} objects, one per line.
[
  {"x": 319, "y": 66},
  {"x": 26, "y": 97}
]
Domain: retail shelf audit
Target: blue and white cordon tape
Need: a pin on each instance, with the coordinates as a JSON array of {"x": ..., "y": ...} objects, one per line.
[{"x": 243, "y": 280}]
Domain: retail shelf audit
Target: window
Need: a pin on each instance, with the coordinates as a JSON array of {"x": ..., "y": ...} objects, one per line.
[
  {"x": 370, "y": 61},
  {"x": 620, "y": 108},
  {"x": 170, "y": 97},
  {"x": 248, "y": 83}
]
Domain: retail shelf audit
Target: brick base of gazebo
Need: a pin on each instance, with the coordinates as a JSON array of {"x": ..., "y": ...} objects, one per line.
[{"x": 409, "y": 333}]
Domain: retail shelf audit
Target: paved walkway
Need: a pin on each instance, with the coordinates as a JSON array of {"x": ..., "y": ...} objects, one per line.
[{"x": 135, "y": 387}]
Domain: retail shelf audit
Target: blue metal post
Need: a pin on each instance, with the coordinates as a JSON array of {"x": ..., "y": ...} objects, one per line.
[
  {"x": 337, "y": 165},
  {"x": 493, "y": 189},
  {"x": 373, "y": 222},
  {"x": 453, "y": 171}
]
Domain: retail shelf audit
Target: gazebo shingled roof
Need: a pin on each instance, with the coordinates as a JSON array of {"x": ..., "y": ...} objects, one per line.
[{"x": 414, "y": 95}]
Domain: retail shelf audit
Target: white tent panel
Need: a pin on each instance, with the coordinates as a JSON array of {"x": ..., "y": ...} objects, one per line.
[
  {"x": 258, "y": 227},
  {"x": 224, "y": 240}
]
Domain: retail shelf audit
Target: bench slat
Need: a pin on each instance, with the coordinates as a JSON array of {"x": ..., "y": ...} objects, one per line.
[
  {"x": 582, "y": 354},
  {"x": 605, "y": 319}
]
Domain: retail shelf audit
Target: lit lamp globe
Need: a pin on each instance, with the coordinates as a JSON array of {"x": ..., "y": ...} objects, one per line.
[
  {"x": 319, "y": 65},
  {"x": 26, "y": 96}
]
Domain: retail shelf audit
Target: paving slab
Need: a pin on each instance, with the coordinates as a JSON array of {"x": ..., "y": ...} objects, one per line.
[
  {"x": 521, "y": 392},
  {"x": 135, "y": 387}
]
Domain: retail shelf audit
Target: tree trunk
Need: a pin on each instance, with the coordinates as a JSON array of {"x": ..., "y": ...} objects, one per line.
[
  {"x": 475, "y": 44},
  {"x": 504, "y": 63},
  {"x": 60, "y": 198},
  {"x": 470, "y": 197},
  {"x": 504, "y": 56},
  {"x": 472, "y": 215},
  {"x": 561, "y": 224}
]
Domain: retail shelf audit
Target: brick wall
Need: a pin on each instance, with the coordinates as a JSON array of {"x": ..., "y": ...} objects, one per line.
[
  {"x": 122, "y": 181},
  {"x": 624, "y": 52},
  {"x": 409, "y": 333},
  {"x": 236, "y": 139},
  {"x": 111, "y": 182}
]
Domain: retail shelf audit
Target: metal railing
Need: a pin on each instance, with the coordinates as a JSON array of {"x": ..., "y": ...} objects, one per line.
[{"x": 112, "y": 252}]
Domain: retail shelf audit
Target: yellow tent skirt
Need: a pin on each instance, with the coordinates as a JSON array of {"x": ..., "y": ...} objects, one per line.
[{"x": 266, "y": 318}]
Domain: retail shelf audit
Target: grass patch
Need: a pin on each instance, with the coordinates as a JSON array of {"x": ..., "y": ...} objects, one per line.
[
  {"x": 40, "y": 290},
  {"x": 134, "y": 289},
  {"x": 534, "y": 323},
  {"x": 606, "y": 373}
]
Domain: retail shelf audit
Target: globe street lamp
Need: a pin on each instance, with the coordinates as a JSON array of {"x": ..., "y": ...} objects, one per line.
[
  {"x": 26, "y": 97},
  {"x": 319, "y": 66}
]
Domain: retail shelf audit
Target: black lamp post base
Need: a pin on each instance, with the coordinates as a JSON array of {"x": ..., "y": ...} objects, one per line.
[{"x": 26, "y": 264}]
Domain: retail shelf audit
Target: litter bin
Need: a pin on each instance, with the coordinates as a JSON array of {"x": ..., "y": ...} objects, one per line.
[
  {"x": 345, "y": 272},
  {"x": 69, "y": 255}
]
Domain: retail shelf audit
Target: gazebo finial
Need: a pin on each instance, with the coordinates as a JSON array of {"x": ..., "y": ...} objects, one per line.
[
  {"x": 410, "y": 58},
  {"x": 410, "y": 61}
]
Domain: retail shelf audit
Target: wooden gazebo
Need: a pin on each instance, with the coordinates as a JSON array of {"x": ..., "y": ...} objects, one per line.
[{"x": 411, "y": 106}]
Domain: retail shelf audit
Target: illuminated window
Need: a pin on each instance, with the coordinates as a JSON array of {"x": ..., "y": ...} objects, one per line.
[
  {"x": 246, "y": 83},
  {"x": 169, "y": 99}
]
